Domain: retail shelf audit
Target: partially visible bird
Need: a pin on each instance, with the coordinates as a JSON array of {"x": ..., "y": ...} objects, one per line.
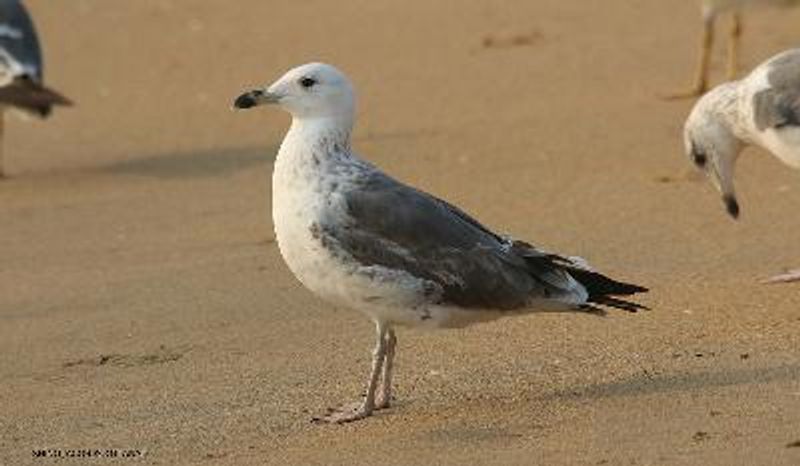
[
  {"x": 763, "y": 109},
  {"x": 21, "y": 68},
  {"x": 711, "y": 10},
  {"x": 357, "y": 237}
]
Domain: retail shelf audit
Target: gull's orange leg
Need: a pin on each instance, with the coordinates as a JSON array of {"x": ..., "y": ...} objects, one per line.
[
  {"x": 700, "y": 84},
  {"x": 734, "y": 39}
]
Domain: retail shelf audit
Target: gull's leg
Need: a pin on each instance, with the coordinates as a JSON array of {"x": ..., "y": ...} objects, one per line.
[
  {"x": 733, "y": 45},
  {"x": 704, "y": 63},
  {"x": 700, "y": 84},
  {"x": 356, "y": 411},
  {"x": 788, "y": 277},
  {"x": 385, "y": 395}
]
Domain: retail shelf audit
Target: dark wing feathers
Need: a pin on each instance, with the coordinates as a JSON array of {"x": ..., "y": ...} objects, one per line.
[
  {"x": 602, "y": 289},
  {"x": 399, "y": 227},
  {"x": 19, "y": 39},
  {"x": 31, "y": 96},
  {"x": 21, "y": 56},
  {"x": 599, "y": 287},
  {"x": 776, "y": 108}
]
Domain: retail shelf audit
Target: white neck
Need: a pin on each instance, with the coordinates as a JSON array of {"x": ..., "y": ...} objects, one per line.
[
  {"x": 718, "y": 116},
  {"x": 312, "y": 147},
  {"x": 722, "y": 102},
  {"x": 320, "y": 136}
]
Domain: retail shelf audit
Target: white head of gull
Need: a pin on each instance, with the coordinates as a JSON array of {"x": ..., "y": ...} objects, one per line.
[
  {"x": 359, "y": 238},
  {"x": 763, "y": 109}
]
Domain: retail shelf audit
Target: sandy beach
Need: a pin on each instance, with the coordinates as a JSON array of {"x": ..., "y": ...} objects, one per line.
[{"x": 145, "y": 308}]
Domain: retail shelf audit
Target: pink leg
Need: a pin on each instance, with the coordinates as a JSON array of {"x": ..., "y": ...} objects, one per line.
[
  {"x": 355, "y": 411},
  {"x": 385, "y": 395}
]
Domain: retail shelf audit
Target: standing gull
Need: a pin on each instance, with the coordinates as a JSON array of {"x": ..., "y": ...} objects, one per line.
[
  {"x": 711, "y": 10},
  {"x": 21, "y": 69},
  {"x": 358, "y": 238},
  {"x": 762, "y": 109}
]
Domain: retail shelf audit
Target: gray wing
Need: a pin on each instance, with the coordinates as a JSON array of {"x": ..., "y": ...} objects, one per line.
[
  {"x": 18, "y": 39},
  {"x": 401, "y": 228},
  {"x": 778, "y": 106}
]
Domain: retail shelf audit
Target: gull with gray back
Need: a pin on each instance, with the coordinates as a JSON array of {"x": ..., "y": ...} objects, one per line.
[{"x": 361, "y": 239}]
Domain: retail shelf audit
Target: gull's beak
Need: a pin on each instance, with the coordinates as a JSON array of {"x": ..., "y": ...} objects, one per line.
[
  {"x": 255, "y": 98},
  {"x": 721, "y": 175},
  {"x": 731, "y": 205}
]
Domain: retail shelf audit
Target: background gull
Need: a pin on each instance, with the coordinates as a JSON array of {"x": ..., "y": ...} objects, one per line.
[
  {"x": 357, "y": 237},
  {"x": 21, "y": 68},
  {"x": 711, "y": 10},
  {"x": 761, "y": 109}
]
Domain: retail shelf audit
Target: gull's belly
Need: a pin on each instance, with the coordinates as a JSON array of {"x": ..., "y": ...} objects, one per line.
[
  {"x": 316, "y": 268},
  {"x": 309, "y": 261},
  {"x": 784, "y": 143},
  {"x": 334, "y": 275}
]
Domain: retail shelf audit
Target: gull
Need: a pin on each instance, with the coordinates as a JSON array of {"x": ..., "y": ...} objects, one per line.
[
  {"x": 711, "y": 9},
  {"x": 358, "y": 238},
  {"x": 21, "y": 68},
  {"x": 763, "y": 109}
]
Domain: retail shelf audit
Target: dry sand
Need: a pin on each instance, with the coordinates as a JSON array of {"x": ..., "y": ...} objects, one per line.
[{"x": 144, "y": 305}]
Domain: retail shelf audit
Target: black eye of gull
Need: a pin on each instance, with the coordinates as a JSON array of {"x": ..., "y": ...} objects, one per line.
[
  {"x": 700, "y": 159},
  {"x": 307, "y": 82},
  {"x": 699, "y": 156}
]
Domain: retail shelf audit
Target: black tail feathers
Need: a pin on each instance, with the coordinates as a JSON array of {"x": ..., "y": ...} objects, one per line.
[{"x": 604, "y": 291}]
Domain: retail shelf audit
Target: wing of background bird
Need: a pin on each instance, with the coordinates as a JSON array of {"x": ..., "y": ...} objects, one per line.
[
  {"x": 778, "y": 105},
  {"x": 19, "y": 40}
]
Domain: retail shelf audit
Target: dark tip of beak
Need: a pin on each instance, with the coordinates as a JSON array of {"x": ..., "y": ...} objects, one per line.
[
  {"x": 731, "y": 206},
  {"x": 246, "y": 100}
]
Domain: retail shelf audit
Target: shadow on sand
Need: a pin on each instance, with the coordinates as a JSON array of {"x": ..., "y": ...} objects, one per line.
[
  {"x": 219, "y": 161},
  {"x": 195, "y": 164},
  {"x": 649, "y": 385}
]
